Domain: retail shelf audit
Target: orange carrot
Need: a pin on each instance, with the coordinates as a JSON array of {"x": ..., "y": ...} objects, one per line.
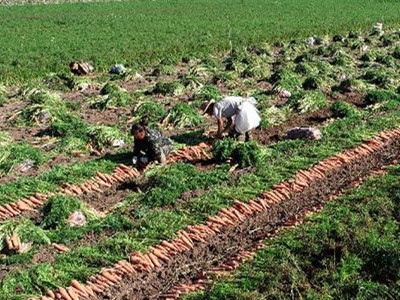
[{"x": 64, "y": 294}]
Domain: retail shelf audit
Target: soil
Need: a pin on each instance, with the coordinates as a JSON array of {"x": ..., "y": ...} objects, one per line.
[
  {"x": 276, "y": 133},
  {"x": 105, "y": 201},
  {"x": 350, "y": 97},
  {"x": 231, "y": 239}
]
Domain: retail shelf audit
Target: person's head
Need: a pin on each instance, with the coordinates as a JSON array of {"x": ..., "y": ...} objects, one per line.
[
  {"x": 138, "y": 131},
  {"x": 209, "y": 109}
]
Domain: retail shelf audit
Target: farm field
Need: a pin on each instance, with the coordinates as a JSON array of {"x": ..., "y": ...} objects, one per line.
[
  {"x": 36, "y": 40},
  {"x": 334, "y": 254},
  {"x": 78, "y": 221}
]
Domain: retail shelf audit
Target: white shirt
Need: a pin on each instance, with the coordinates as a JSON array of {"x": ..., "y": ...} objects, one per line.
[{"x": 229, "y": 106}]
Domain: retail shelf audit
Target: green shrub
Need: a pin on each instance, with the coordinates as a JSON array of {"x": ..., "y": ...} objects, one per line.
[
  {"x": 150, "y": 110},
  {"x": 341, "y": 58},
  {"x": 167, "y": 184},
  {"x": 272, "y": 116},
  {"x": 113, "y": 96},
  {"x": 303, "y": 68},
  {"x": 69, "y": 124},
  {"x": 308, "y": 101},
  {"x": 182, "y": 115},
  {"x": 369, "y": 56},
  {"x": 343, "y": 109},
  {"x": 208, "y": 92},
  {"x": 174, "y": 88},
  {"x": 312, "y": 83},
  {"x": 377, "y": 77},
  {"x": 161, "y": 70},
  {"x": 102, "y": 135},
  {"x": 57, "y": 210},
  {"x": 377, "y": 96},
  {"x": 396, "y": 52},
  {"x": 247, "y": 154}
]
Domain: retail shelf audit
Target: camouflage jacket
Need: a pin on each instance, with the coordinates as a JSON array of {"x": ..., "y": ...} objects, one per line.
[{"x": 153, "y": 145}]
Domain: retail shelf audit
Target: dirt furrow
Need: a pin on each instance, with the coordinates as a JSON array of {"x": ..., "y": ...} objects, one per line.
[
  {"x": 204, "y": 280},
  {"x": 149, "y": 275}
]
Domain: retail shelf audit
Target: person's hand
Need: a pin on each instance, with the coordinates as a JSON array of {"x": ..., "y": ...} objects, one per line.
[{"x": 134, "y": 160}]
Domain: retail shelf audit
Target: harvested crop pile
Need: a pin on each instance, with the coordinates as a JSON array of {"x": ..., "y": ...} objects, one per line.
[{"x": 247, "y": 154}]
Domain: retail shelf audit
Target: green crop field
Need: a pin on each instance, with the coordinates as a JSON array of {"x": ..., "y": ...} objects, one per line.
[
  {"x": 79, "y": 221},
  {"x": 35, "y": 40}
]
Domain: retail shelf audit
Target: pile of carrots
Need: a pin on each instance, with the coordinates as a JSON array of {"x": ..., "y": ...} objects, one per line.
[
  {"x": 26, "y": 204},
  {"x": 186, "y": 240},
  {"x": 193, "y": 153},
  {"x": 101, "y": 181},
  {"x": 13, "y": 244}
]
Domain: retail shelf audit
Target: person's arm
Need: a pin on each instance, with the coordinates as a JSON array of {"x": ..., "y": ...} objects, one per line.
[
  {"x": 230, "y": 124},
  {"x": 136, "y": 148},
  {"x": 220, "y": 127}
]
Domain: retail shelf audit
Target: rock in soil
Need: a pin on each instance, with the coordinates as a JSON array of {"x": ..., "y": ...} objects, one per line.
[{"x": 308, "y": 133}]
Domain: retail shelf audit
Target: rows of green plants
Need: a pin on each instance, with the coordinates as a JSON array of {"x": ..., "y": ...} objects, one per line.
[
  {"x": 352, "y": 63},
  {"x": 144, "y": 219},
  {"x": 86, "y": 31},
  {"x": 348, "y": 251}
]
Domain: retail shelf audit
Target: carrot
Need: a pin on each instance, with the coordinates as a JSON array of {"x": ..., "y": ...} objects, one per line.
[
  {"x": 23, "y": 206},
  {"x": 111, "y": 277},
  {"x": 72, "y": 294},
  {"x": 94, "y": 287},
  {"x": 51, "y": 294},
  {"x": 78, "y": 286},
  {"x": 260, "y": 208},
  {"x": 89, "y": 290},
  {"x": 103, "y": 183},
  {"x": 84, "y": 189},
  {"x": 229, "y": 213},
  {"x": 182, "y": 246},
  {"x": 12, "y": 211},
  {"x": 64, "y": 294},
  {"x": 196, "y": 237},
  {"x": 5, "y": 211},
  {"x": 169, "y": 245},
  {"x": 119, "y": 178},
  {"x": 154, "y": 260},
  {"x": 101, "y": 176},
  {"x": 15, "y": 240},
  {"x": 9, "y": 243},
  {"x": 61, "y": 248},
  {"x": 126, "y": 269},
  {"x": 160, "y": 255}
]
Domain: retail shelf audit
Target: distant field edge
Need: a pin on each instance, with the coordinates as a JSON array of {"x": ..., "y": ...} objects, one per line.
[{"x": 42, "y": 39}]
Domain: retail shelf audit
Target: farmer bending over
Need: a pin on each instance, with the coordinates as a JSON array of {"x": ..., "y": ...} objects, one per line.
[
  {"x": 241, "y": 114},
  {"x": 150, "y": 145}
]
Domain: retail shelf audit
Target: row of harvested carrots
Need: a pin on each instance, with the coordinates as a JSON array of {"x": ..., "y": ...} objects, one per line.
[
  {"x": 101, "y": 181},
  {"x": 193, "y": 153},
  {"x": 92, "y": 185},
  {"x": 98, "y": 183},
  {"x": 186, "y": 240}
]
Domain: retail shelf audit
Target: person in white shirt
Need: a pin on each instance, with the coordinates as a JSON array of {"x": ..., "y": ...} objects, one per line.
[{"x": 241, "y": 114}]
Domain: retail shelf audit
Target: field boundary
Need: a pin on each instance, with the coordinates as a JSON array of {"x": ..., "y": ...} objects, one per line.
[{"x": 198, "y": 247}]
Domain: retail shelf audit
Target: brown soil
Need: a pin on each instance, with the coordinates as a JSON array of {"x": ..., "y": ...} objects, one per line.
[
  {"x": 105, "y": 201},
  {"x": 350, "y": 97},
  {"x": 276, "y": 133},
  {"x": 231, "y": 239}
]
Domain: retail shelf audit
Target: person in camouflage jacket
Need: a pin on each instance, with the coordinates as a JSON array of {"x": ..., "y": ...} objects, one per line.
[{"x": 150, "y": 145}]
